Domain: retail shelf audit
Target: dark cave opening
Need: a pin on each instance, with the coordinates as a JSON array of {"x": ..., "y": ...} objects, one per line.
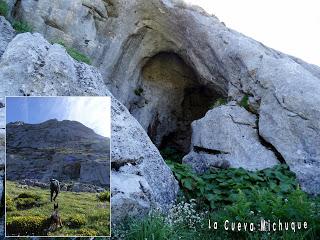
[
  {"x": 168, "y": 98},
  {"x": 197, "y": 100}
]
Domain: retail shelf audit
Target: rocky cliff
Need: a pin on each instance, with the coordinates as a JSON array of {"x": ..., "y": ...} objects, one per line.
[
  {"x": 168, "y": 63},
  {"x": 65, "y": 150},
  {"x": 140, "y": 178}
]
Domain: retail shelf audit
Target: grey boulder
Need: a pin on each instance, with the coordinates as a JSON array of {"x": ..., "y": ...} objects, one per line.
[
  {"x": 7, "y": 34},
  {"x": 227, "y": 137}
]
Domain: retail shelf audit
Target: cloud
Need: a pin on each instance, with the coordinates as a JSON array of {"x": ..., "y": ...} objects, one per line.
[{"x": 93, "y": 112}]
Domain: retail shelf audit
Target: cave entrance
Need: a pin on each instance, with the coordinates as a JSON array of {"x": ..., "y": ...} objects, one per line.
[{"x": 169, "y": 96}]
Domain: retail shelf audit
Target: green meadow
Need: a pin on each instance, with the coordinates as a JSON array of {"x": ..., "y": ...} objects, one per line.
[{"x": 28, "y": 212}]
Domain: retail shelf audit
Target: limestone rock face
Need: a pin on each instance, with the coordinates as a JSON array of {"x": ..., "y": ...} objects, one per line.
[
  {"x": 65, "y": 150},
  {"x": 227, "y": 137},
  {"x": 7, "y": 34},
  {"x": 291, "y": 124},
  {"x": 32, "y": 66},
  {"x": 133, "y": 153},
  {"x": 129, "y": 41},
  {"x": 131, "y": 192},
  {"x": 59, "y": 20},
  {"x": 2, "y": 132},
  {"x": 45, "y": 69}
]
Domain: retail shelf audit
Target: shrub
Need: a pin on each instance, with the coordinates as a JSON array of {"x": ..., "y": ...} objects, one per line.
[
  {"x": 220, "y": 187},
  {"x": 104, "y": 196},
  {"x": 75, "y": 54},
  {"x": 22, "y": 27},
  {"x": 24, "y": 203},
  {"x": 3, "y": 8},
  {"x": 76, "y": 221},
  {"x": 27, "y": 200},
  {"x": 10, "y": 205},
  {"x": 27, "y": 225},
  {"x": 29, "y": 195},
  {"x": 87, "y": 232}
]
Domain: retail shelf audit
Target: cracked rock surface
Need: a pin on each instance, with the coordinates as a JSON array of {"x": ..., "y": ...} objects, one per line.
[
  {"x": 7, "y": 34},
  {"x": 227, "y": 137}
]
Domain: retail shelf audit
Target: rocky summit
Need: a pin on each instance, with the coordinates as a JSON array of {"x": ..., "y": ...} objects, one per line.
[
  {"x": 166, "y": 64},
  {"x": 64, "y": 150}
]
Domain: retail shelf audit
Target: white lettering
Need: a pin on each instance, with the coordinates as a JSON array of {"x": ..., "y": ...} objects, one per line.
[
  {"x": 251, "y": 227},
  {"x": 293, "y": 227},
  {"x": 225, "y": 225}
]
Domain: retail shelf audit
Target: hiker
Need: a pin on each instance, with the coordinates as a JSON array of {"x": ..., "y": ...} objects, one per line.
[{"x": 54, "y": 188}]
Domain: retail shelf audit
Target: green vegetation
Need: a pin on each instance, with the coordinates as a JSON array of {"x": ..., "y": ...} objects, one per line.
[
  {"x": 172, "y": 154},
  {"x": 244, "y": 102},
  {"x": 87, "y": 232},
  {"x": 138, "y": 91},
  {"x": 104, "y": 196},
  {"x": 10, "y": 205},
  {"x": 22, "y": 27},
  {"x": 152, "y": 227},
  {"x": 18, "y": 225},
  {"x": 75, "y": 54},
  {"x": 3, "y": 8},
  {"x": 76, "y": 221},
  {"x": 221, "y": 187},
  {"x": 218, "y": 102},
  {"x": 28, "y": 211},
  {"x": 235, "y": 195},
  {"x": 24, "y": 203}
]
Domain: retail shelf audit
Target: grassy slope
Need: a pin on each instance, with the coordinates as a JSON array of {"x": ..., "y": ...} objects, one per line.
[{"x": 96, "y": 213}]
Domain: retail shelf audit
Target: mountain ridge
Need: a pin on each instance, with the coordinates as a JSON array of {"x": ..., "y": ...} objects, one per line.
[{"x": 66, "y": 150}]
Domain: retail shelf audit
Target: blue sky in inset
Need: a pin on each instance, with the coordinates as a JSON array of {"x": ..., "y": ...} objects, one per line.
[{"x": 93, "y": 112}]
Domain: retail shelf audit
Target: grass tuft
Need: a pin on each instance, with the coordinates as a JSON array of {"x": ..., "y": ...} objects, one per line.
[
  {"x": 244, "y": 102},
  {"x": 218, "y": 102},
  {"x": 22, "y": 27},
  {"x": 75, "y": 54},
  {"x": 4, "y": 9}
]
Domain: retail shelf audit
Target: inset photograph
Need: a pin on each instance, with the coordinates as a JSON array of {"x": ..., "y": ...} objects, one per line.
[{"x": 58, "y": 166}]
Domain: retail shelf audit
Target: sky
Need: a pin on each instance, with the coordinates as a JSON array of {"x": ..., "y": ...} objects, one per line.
[
  {"x": 290, "y": 26},
  {"x": 93, "y": 112}
]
